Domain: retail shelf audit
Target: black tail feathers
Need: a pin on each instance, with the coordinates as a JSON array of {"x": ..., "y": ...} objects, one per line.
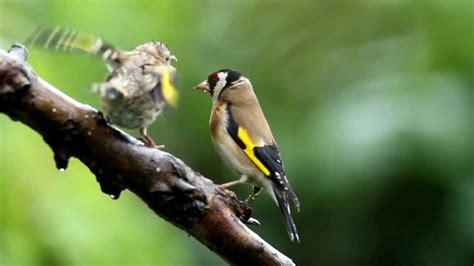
[{"x": 283, "y": 198}]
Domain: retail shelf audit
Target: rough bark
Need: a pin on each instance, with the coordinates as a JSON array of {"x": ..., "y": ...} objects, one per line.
[{"x": 167, "y": 185}]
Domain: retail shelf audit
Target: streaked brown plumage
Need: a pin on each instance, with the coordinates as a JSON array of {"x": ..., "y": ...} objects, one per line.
[{"x": 139, "y": 83}]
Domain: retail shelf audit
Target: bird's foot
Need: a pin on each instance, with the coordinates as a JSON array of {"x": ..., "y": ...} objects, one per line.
[
  {"x": 246, "y": 214},
  {"x": 249, "y": 200},
  {"x": 253, "y": 195},
  {"x": 150, "y": 143}
]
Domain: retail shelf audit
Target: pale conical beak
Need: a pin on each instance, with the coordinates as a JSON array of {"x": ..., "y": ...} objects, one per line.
[{"x": 204, "y": 86}]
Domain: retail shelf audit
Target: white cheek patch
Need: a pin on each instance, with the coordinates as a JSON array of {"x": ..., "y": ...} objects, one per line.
[
  {"x": 220, "y": 84},
  {"x": 222, "y": 80}
]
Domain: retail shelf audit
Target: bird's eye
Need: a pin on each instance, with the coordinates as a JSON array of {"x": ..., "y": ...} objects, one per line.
[{"x": 167, "y": 58}]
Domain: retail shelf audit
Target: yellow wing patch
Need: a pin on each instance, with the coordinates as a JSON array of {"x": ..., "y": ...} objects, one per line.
[
  {"x": 243, "y": 135},
  {"x": 170, "y": 93}
]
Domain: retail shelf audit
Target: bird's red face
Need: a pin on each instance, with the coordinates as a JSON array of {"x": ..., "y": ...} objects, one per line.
[{"x": 219, "y": 80}]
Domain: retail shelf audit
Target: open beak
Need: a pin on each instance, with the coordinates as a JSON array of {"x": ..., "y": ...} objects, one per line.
[{"x": 204, "y": 86}]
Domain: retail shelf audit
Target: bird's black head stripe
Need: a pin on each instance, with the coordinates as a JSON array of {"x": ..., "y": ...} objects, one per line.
[{"x": 232, "y": 76}]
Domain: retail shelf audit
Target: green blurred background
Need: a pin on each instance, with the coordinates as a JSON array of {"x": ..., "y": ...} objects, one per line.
[{"x": 371, "y": 103}]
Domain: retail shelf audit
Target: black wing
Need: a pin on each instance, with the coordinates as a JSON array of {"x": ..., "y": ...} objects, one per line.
[
  {"x": 271, "y": 159},
  {"x": 267, "y": 158}
]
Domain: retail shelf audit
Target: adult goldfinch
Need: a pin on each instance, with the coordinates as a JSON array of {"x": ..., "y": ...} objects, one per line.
[
  {"x": 139, "y": 83},
  {"x": 242, "y": 136}
]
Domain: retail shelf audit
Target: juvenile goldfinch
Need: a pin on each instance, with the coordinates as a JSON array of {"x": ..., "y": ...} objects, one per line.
[
  {"x": 242, "y": 136},
  {"x": 139, "y": 83}
]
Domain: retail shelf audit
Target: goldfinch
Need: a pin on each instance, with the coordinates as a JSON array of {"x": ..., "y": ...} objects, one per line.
[
  {"x": 139, "y": 83},
  {"x": 242, "y": 136}
]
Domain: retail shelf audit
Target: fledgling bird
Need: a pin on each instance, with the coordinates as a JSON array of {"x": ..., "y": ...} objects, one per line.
[
  {"x": 242, "y": 136},
  {"x": 139, "y": 82}
]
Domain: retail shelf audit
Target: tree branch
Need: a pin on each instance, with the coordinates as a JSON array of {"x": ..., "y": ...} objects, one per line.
[{"x": 167, "y": 185}]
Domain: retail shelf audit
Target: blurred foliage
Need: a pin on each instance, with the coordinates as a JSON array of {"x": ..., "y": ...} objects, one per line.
[{"x": 371, "y": 103}]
